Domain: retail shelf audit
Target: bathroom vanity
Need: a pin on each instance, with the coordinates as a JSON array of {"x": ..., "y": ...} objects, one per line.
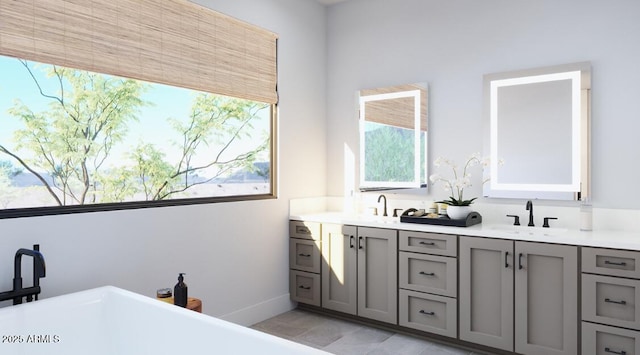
[{"x": 501, "y": 289}]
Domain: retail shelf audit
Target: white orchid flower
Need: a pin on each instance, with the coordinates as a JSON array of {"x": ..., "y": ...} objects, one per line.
[{"x": 460, "y": 180}]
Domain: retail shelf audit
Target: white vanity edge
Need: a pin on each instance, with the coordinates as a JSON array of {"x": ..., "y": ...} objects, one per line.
[{"x": 597, "y": 238}]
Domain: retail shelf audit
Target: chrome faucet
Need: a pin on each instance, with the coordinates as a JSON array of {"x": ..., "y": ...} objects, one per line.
[
  {"x": 530, "y": 209},
  {"x": 383, "y": 197},
  {"x": 39, "y": 270}
]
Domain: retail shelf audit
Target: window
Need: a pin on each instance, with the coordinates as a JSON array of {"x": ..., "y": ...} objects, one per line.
[
  {"x": 184, "y": 112},
  {"x": 71, "y": 137}
]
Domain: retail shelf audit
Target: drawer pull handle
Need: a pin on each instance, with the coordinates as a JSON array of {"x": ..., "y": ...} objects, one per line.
[
  {"x": 622, "y": 263},
  {"x": 427, "y": 273},
  {"x": 432, "y": 313},
  {"x": 608, "y": 300},
  {"x": 305, "y": 288},
  {"x": 621, "y": 352},
  {"x": 305, "y": 255},
  {"x": 303, "y": 230},
  {"x": 427, "y": 243},
  {"x": 351, "y": 238}
]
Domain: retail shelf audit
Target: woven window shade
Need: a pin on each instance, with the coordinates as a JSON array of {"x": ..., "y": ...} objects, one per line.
[
  {"x": 397, "y": 112},
  {"x": 172, "y": 42}
]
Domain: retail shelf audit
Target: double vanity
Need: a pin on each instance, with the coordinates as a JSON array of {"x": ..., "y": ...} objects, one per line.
[{"x": 499, "y": 289}]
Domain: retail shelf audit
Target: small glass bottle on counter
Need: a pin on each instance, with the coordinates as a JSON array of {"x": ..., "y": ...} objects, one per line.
[{"x": 586, "y": 215}]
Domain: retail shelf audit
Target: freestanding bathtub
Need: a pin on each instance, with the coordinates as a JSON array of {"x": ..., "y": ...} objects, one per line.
[{"x": 109, "y": 320}]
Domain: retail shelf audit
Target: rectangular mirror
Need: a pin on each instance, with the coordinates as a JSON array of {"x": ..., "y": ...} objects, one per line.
[
  {"x": 393, "y": 137},
  {"x": 537, "y": 124}
]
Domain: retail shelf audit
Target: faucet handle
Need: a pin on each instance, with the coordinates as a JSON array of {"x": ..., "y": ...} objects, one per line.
[
  {"x": 546, "y": 221},
  {"x": 516, "y": 219},
  {"x": 395, "y": 211}
]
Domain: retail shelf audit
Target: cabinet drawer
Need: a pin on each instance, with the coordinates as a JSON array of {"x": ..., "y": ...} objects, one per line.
[
  {"x": 431, "y": 243},
  {"x": 304, "y": 230},
  {"x": 304, "y": 255},
  {"x": 611, "y": 262},
  {"x": 428, "y": 273},
  {"x": 429, "y": 313},
  {"x": 611, "y": 300},
  {"x": 600, "y": 339},
  {"x": 304, "y": 287}
]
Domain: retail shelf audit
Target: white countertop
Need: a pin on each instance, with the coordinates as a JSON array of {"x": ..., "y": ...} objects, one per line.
[{"x": 596, "y": 238}]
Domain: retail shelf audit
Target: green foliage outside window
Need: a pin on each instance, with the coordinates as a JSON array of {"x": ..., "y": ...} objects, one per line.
[{"x": 82, "y": 138}]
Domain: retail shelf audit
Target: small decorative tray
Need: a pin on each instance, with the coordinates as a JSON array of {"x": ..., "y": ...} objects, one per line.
[{"x": 472, "y": 218}]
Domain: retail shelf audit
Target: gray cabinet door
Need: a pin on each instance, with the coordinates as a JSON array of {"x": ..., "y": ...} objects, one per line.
[
  {"x": 486, "y": 292},
  {"x": 378, "y": 274},
  {"x": 339, "y": 265},
  {"x": 546, "y": 299}
]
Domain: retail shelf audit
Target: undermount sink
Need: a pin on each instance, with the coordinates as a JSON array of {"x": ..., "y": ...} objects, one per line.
[{"x": 524, "y": 230}]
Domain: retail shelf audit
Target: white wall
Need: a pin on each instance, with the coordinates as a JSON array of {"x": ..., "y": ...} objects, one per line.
[
  {"x": 235, "y": 254},
  {"x": 452, "y": 44}
]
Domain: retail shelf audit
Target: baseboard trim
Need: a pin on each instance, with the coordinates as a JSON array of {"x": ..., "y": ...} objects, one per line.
[{"x": 261, "y": 311}]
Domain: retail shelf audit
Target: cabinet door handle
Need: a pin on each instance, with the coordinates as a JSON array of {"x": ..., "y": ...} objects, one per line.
[
  {"x": 427, "y": 243},
  {"x": 431, "y": 313},
  {"x": 608, "y": 300},
  {"x": 427, "y": 273},
  {"x": 622, "y": 263},
  {"x": 360, "y": 242},
  {"x": 621, "y": 352},
  {"x": 351, "y": 238},
  {"x": 506, "y": 261},
  {"x": 305, "y": 288},
  {"x": 305, "y": 255},
  {"x": 520, "y": 261}
]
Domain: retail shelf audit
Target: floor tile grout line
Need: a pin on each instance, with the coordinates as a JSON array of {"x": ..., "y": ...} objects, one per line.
[{"x": 324, "y": 319}]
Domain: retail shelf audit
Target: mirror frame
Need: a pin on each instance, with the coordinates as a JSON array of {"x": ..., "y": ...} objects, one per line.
[
  {"x": 419, "y": 93},
  {"x": 579, "y": 186}
]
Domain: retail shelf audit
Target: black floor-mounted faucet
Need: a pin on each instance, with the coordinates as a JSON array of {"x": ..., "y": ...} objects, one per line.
[
  {"x": 530, "y": 209},
  {"x": 39, "y": 271}
]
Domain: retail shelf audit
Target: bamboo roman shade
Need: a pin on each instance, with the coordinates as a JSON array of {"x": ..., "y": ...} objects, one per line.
[
  {"x": 397, "y": 112},
  {"x": 173, "y": 42}
]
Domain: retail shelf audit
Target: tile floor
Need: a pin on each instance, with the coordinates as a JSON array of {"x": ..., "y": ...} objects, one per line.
[{"x": 339, "y": 336}]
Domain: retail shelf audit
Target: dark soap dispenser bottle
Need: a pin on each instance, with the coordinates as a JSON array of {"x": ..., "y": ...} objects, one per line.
[{"x": 180, "y": 292}]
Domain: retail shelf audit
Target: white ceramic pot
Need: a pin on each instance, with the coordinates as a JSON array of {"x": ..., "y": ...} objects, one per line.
[{"x": 458, "y": 212}]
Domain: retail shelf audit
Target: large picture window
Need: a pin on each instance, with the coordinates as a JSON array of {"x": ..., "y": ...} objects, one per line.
[
  {"x": 71, "y": 137},
  {"x": 113, "y": 104}
]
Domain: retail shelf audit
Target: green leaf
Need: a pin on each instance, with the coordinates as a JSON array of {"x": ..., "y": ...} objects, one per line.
[{"x": 455, "y": 202}]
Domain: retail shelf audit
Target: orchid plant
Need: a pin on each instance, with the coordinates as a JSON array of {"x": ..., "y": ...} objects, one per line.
[{"x": 460, "y": 180}]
